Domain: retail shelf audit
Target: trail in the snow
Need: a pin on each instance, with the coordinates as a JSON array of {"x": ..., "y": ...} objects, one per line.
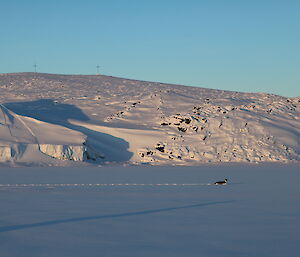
[{"x": 99, "y": 185}]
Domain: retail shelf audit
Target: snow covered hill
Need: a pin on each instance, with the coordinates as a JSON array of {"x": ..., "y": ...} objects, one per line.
[{"x": 50, "y": 119}]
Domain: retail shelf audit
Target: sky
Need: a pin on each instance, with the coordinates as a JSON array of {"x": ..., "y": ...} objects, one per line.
[{"x": 239, "y": 45}]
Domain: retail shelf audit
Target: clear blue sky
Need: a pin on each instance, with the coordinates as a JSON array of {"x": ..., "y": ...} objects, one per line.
[{"x": 242, "y": 45}]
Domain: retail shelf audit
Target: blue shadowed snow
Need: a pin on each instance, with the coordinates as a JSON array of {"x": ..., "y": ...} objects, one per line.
[
  {"x": 50, "y": 111},
  {"x": 256, "y": 214}
]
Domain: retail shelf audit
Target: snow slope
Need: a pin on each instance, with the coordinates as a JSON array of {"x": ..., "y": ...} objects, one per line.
[
  {"x": 24, "y": 138},
  {"x": 107, "y": 119}
]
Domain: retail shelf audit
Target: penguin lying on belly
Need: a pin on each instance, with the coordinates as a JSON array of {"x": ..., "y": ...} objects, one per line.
[{"x": 224, "y": 182}]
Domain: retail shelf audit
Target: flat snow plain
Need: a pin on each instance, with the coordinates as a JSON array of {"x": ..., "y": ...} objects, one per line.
[{"x": 256, "y": 214}]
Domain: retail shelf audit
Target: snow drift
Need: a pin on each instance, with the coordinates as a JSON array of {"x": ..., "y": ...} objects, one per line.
[{"x": 19, "y": 134}]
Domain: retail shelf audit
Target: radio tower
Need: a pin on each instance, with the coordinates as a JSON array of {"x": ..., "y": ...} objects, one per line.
[{"x": 98, "y": 69}]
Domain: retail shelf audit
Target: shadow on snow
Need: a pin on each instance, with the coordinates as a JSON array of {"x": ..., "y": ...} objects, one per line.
[
  {"x": 47, "y": 110},
  {"x": 109, "y": 216}
]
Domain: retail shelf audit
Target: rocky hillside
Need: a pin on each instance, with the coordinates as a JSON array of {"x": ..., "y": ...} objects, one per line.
[{"x": 105, "y": 119}]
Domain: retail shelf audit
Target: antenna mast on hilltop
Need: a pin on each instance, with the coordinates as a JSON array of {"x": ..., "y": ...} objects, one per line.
[
  {"x": 98, "y": 69},
  {"x": 35, "y": 65}
]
